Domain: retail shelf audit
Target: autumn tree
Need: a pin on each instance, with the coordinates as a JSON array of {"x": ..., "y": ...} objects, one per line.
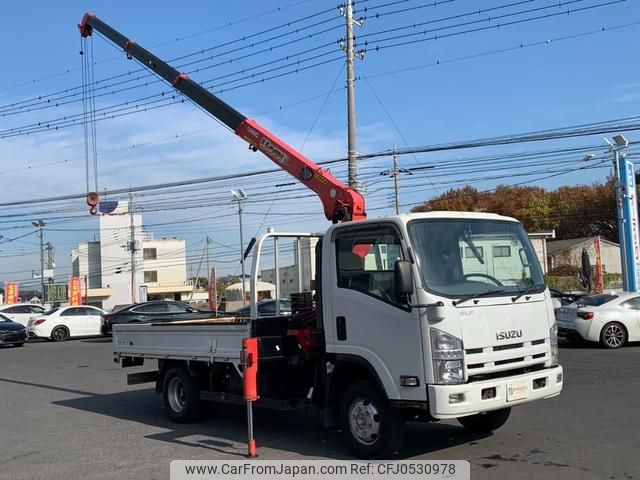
[{"x": 573, "y": 211}]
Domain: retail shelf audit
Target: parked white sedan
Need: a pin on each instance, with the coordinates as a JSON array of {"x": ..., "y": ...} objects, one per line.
[
  {"x": 22, "y": 312},
  {"x": 61, "y": 323},
  {"x": 612, "y": 319}
]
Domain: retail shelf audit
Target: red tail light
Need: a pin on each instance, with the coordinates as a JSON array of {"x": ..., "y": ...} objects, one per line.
[
  {"x": 39, "y": 321},
  {"x": 108, "y": 318},
  {"x": 586, "y": 315}
]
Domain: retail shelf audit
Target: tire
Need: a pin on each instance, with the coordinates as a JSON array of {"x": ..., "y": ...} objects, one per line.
[
  {"x": 18, "y": 344},
  {"x": 485, "y": 422},
  {"x": 60, "y": 334},
  {"x": 181, "y": 396},
  {"x": 613, "y": 335},
  {"x": 372, "y": 427}
]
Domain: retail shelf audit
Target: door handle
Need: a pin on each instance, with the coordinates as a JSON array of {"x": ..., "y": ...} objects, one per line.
[{"x": 341, "y": 328}]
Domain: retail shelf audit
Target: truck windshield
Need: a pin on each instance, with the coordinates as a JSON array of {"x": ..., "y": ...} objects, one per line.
[{"x": 461, "y": 257}]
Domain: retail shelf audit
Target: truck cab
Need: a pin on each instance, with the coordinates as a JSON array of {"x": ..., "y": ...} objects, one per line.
[{"x": 446, "y": 314}]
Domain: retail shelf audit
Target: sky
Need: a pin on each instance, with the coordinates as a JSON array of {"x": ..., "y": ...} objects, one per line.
[{"x": 483, "y": 69}]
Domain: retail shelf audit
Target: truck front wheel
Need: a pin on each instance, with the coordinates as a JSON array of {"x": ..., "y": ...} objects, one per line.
[
  {"x": 372, "y": 427},
  {"x": 485, "y": 422},
  {"x": 181, "y": 396}
]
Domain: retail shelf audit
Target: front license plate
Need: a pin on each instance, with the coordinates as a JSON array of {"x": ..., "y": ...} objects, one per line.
[{"x": 517, "y": 391}]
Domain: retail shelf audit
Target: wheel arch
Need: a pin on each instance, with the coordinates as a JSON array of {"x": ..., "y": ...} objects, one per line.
[
  {"x": 347, "y": 370},
  {"x": 165, "y": 365}
]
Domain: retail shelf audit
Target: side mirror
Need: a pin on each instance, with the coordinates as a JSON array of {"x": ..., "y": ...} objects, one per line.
[
  {"x": 403, "y": 280},
  {"x": 523, "y": 257}
]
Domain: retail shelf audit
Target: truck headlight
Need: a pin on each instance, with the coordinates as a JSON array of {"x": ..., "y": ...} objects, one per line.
[
  {"x": 553, "y": 342},
  {"x": 448, "y": 361}
]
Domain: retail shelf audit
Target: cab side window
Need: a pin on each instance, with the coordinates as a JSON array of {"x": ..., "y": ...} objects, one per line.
[{"x": 366, "y": 260}]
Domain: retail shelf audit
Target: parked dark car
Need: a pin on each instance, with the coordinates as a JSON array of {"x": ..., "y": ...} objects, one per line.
[
  {"x": 266, "y": 308},
  {"x": 12, "y": 333},
  {"x": 561, "y": 299},
  {"x": 151, "y": 312}
]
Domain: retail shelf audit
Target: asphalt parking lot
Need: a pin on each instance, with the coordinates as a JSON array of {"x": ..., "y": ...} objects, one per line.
[{"x": 68, "y": 413}]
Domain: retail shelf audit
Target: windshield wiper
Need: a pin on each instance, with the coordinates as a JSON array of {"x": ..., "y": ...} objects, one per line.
[
  {"x": 530, "y": 289},
  {"x": 477, "y": 295},
  {"x": 466, "y": 238}
]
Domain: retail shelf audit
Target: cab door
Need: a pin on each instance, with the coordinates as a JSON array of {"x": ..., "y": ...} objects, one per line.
[{"x": 362, "y": 319}]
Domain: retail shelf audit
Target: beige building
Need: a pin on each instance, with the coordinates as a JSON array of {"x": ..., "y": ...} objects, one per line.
[
  {"x": 569, "y": 252},
  {"x": 164, "y": 263}
]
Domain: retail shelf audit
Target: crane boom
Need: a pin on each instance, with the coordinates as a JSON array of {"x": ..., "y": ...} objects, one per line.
[{"x": 340, "y": 202}]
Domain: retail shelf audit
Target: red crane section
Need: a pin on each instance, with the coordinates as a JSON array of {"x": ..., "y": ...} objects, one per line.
[{"x": 340, "y": 202}]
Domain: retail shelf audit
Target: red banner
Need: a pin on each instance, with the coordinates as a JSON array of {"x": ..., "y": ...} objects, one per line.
[
  {"x": 75, "y": 293},
  {"x": 11, "y": 292}
]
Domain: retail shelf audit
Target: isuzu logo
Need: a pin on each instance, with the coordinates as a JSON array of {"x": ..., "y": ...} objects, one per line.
[
  {"x": 508, "y": 334},
  {"x": 272, "y": 151}
]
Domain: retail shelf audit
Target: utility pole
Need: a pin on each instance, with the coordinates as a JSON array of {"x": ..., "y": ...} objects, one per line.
[
  {"x": 396, "y": 187},
  {"x": 240, "y": 197},
  {"x": 132, "y": 249},
  {"x": 40, "y": 224},
  {"x": 195, "y": 281},
  {"x": 50, "y": 255},
  {"x": 347, "y": 46},
  {"x": 208, "y": 269},
  {"x": 395, "y": 173}
]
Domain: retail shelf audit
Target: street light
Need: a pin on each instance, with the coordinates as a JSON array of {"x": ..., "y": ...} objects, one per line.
[
  {"x": 40, "y": 224},
  {"x": 621, "y": 142},
  {"x": 239, "y": 196}
]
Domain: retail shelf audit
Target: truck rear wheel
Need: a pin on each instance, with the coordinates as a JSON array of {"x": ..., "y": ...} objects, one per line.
[
  {"x": 485, "y": 422},
  {"x": 181, "y": 396},
  {"x": 372, "y": 427}
]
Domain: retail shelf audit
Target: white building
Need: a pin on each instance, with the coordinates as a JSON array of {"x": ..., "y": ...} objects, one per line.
[{"x": 160, "y": 265}]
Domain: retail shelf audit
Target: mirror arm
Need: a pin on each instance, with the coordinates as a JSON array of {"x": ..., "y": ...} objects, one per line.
[{"x": 426, "y": 305}]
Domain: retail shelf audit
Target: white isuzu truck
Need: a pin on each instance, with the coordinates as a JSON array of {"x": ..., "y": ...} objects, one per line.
[
  {"x": 403, "y": 333},
  {"x": 420, "y": 317}
]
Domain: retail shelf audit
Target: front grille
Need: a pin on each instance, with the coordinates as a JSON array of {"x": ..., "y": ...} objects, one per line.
[
  {"x": 505, "y": 373},
  {"x": 510, "y": 360},
  {"x": 13, "y": 337},
  {"x": 499, "y": 348},
  {"x": 502, "y": 360}
]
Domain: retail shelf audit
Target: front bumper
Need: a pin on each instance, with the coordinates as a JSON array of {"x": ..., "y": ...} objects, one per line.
[
  {"x": 14, "y": 337},
  {"x": 440, "y": 395}
]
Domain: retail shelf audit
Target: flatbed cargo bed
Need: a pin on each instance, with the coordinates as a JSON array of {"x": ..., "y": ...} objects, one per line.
[{"x": 208, "y": 340}]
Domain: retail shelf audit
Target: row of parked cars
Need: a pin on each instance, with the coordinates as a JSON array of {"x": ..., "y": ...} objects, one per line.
[
  {"x": 611, "y": 319},
  {"x": 19, "y": 322}
]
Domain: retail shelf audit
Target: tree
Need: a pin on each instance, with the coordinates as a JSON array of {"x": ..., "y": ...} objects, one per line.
[{"x": 573, "y": 211}]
